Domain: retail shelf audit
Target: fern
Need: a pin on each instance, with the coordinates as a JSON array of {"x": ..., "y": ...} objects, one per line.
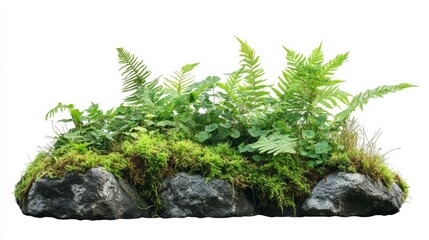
[
  {"x": 316, "y": 58},
  {"x": 232, "y": 83},
  {"x": 332, "y": 65},
  {"x": 76, "y": 115},
  {"x": 134, "y": 74},
  {"x": 57, "y": 109},
  {"x": 254, "y": 86},
  {"x": 362, "y": 98},
  {"x": 288, "y": 78},
  {"x": 329, "y": 97},
  {"x": 275, "y": 144},
  {"x": 181, "y": 80}
]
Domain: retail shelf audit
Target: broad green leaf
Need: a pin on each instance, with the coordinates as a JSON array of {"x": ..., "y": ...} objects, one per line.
[
  {"x": 254, "y": 132},
  {"x": 234, "y": 133},
  {"x": 257, "y": 158},
  {"x": 211, "y": 127},
  {"x": 226, "y": 125},
  {"x": 165, "y": 123},
  {"x": 185, "y": 117},
  {"x": 308, "y": 134},
  {"x": 322, "y": 147},
  {"x": 202, "y": 136},
  {"x": 242, "y": 148}
]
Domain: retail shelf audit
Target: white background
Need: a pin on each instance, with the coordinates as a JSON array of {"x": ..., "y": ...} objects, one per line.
[{"x": 64, "y": 51}]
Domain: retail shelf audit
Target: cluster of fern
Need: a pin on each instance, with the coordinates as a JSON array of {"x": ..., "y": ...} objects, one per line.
[{"x": 297, "y": 127}]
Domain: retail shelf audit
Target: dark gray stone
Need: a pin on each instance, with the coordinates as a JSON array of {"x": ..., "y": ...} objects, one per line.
[
  {"x": 97, "y": 194},
  {"x": 186, "y": 195},
  {"x": 352, "y": 194}
]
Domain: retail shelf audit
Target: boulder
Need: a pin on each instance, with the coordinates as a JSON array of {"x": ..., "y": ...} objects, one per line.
[
  {"x": 186, "y": 195},
  {"x": 96, "y": 194},
  {"x": 352, "y": 194}
]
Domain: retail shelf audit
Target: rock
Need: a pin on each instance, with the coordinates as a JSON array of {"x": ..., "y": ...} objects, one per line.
[
  {"x": 274, "y": 211},
  {"x": 186, "y": 195},
  {"x": 352, "y": 194},
  {"x": 97, "y": 194}
]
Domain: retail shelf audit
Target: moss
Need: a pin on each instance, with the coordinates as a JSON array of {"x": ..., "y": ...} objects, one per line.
[
  {"x": 148, "y": 159},
  {"x": 56, "y": 166}
]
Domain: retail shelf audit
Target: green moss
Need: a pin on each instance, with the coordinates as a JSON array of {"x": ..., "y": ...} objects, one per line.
[
  {"x": 145, "y": 161},
  {"x": 403, "y": 185},
  {"x": 56, "y": 166}
]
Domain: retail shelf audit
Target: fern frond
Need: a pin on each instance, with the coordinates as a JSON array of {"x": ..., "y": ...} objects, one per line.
[
  {"x": 254, "y": 87},
  {"x": 134, "y": 72},
  {"x": 232, "y": 83},
  {"x": 134, "y": 75},
  {"x": 204, "y": 87},
  {"x": 329, "y": 96},
  {"x": 333, "y": 64},
  {"x": 316, "y": 58},
  {"x": 362, "y": 98},
  {"x": 57, "y": 109},
  {"x": 275, "y": 144},
  {"x": 181, "y": 79},
  {"x": 294, "y": 60}
]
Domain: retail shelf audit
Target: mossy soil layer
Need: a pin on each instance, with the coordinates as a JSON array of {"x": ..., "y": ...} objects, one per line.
[{"x": 278, "y": 183}]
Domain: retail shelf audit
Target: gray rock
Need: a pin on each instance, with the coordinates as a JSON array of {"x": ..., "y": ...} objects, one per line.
[
  {"x": 97, "y": 194},
  {"x": 186, "y": 195},
  {"x": 352, "y": 194}
]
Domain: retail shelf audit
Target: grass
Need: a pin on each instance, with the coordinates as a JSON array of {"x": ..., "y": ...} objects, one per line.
[{"x": 362, "y": 155}]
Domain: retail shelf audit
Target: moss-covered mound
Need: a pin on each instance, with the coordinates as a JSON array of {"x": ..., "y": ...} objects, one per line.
[
  {"x": 276, "y": 183},
  {"x": 274, "y": 141}
]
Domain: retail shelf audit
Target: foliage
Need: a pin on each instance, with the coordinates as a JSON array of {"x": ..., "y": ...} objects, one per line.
[
  {"x": 362, "y": 155},
  {"x": 274, "y": 140}
]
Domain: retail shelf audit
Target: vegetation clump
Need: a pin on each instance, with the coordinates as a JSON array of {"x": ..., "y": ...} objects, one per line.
[{"x": 276, "y": 141}]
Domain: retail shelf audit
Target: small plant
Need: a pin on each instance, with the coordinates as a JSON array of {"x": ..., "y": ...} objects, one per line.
[{"x": 276, "y": 140}]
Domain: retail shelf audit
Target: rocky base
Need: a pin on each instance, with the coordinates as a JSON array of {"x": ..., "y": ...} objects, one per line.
[{"x": 97, "y": 194}]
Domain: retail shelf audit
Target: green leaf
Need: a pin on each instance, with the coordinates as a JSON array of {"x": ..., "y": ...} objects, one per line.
[
  {"x": 257, "y": 158},
  {"x": 322, "y": 147},
  {"x": 226, "y": 125},
  {"x": 179, "y": 82},
  {"x": 165, "y": 123},
  {"x": 242, "y": 148},
  {"x": 308, "y": 134},
  {"x": 134, "y": 75},
  {"x": 275, "y": 144},
  {"x": 254, "y": 132},
  {"x": 202, "y": 136},
  {"x": 139, "y": 129},
  {"x": 211, "y": 127},
  {"x": 234, "y": 133},
  {"x": 362, "y": 98},
  {"x": 185, "y": 117},
  {"x": 189, "y": 67}
]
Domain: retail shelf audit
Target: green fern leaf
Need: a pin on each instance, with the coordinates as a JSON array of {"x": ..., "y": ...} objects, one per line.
[
  {"x": 294, "y": 60},
  {"x": 254, "y": 87},
  {"x": 181, "y": 80},
  {"x": 362, "y": 98},
  {"x": 57, "y": 109},
  {"x": 134, "y": 74},
  {"x": 316, "y": 58},
  {"x": 232, "y": 83},
  {"x": 331, "y": 66},
  {"x": 329, "y": 96},
  {"x": 275, "y": 144}
]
